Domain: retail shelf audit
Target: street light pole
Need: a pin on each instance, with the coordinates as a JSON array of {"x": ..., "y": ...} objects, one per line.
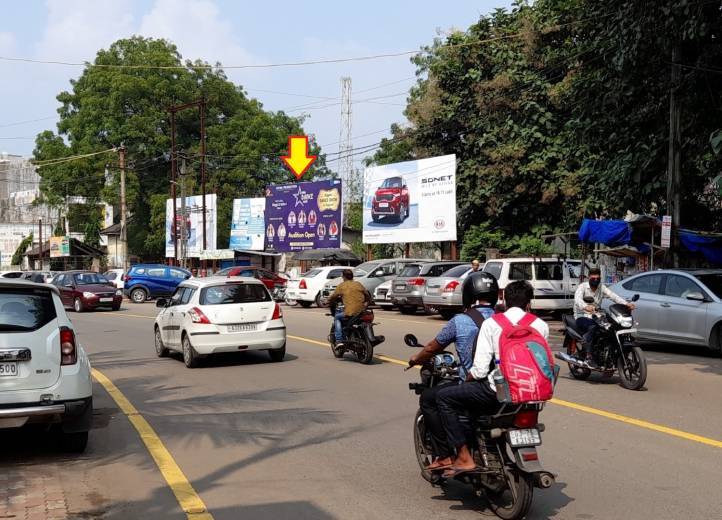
[
  {"x": 174, "y": 227},
  {"x": 123, "y": 209}
]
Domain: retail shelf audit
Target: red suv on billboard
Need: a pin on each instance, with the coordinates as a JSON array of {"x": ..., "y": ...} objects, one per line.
[{"x": 391, "y": 200}]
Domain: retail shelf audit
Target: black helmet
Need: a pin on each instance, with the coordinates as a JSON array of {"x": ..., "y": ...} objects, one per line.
[{"x": 480, "y": 286}]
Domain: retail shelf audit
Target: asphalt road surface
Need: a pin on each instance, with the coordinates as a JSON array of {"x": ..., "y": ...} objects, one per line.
[{"x": 315, "y": 437}]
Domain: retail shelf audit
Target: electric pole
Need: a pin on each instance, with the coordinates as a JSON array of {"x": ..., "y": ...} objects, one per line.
[
  {"x": 673, "y": 160},
  {"x": 202, "y": 110},
  {"x": 183, "y": 237},
  {"x": 123, "y": 209},
  {"x": 174, "y": 228},
  {"x": 40, "y": 236},
  {"x": 345, "y": 164}
]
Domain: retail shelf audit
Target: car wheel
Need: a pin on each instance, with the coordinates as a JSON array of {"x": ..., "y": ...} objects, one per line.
[
  {"x": 160, "y": 349},
  {"x": 305, "y": 304},
  {"x": 190, "y": 356},
  {"x": 116, "y": 307},
  {"x": 375, "y": 218},
  {"x": 407, "y": 309},
  {"x": 277, "y": 354},
  {"x": 138, "y": 295},
  {"x": 319, "y": 300},
  {"x": 75, "y": 442},
  {"x": 78, "y": 305}
]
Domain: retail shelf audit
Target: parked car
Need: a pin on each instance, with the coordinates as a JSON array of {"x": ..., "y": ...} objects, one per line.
[
  {"x": 391, "y": 200},
  {"x": 212, "y": 315},
  {"x": 37, "y": 276},
  {"x": 554, "y": 280},
  {"x": 308, "y": 289},
  {"x": 144, "y": 281},
  {"x": 382, "y": 296},
  {"x": 44, "y": 372},
  {"x": 677, "y": 306},
  {"x": 443, "y": 294},
  {"x": 270, "y": 280},
  {"x": 408, "y": 289},
  {"x": 372, "y": 274},
  {"x": 86, "y": 290},
  {"x": 11, "y": 274},
  {"x": 116, "y": 277}
]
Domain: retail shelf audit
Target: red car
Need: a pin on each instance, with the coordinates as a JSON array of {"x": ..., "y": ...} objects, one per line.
[
  {"x": 85, "y": 290},
  {"x": 269, "y": 279},
  {"x": 391, "y": 200}
]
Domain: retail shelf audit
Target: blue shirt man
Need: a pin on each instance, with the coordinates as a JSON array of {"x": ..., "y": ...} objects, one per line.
[{"x": 462, "y": 331}]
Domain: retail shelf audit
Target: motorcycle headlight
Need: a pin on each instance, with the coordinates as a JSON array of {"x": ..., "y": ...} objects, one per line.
[
  {"x": 87, "y": 294},
  {"x": 625, "y": 321}
]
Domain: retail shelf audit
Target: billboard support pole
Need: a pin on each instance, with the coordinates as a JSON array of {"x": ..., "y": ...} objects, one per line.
[
  {"x": 407, "y": 250},
  {"x": 454, "y": 252},
  {"x": 369, "y": 253}
]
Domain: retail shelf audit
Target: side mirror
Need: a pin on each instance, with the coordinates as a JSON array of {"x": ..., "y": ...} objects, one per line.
[
  {"x": 161, "y": 302},
  {"x": 588, "y": 299},
  {"x": 411, "y": 340},
  {"x": 635, "y": 298},
  {"x": 696, "y": 296}
]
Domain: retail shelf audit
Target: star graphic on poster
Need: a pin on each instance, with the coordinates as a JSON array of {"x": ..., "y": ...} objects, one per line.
[{"x": 298, "y": 197}]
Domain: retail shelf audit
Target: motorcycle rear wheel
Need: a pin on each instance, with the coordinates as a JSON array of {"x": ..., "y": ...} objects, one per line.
[
  {"x": 364, "y": 350},
  {"x": 515, "y": 500},
  {"x": 423, "y": 452},
  {"x": 634, "y": 376},
  {"x": 570, "y": 345}
]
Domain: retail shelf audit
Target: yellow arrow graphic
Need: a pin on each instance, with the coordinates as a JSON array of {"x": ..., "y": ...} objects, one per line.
[{"x": 298, "y": 159}]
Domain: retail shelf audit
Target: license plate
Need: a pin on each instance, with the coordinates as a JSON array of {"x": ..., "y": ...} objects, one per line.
[
  {"x": 383, "y": 204},
  {"x": 527, "y": 437},
  {"x": 8, "y": 369},
  {"x": 242, "y": 327},
  {"x": 399, "y": 287},
  {"x": 106, "y": 300}
]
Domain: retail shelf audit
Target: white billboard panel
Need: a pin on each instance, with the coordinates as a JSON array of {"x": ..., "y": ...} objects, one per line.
[
  {"x": 412, "y": 201},
  {"x": 248, "y": 225},
  {"x": 193, "y": 222}
]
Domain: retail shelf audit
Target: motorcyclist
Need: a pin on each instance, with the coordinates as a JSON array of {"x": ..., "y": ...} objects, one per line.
[
  {"x": 479, "y": 295},
  {"x": 355, "y": 299},
  {"x": 478, "y": 393},
  {"x": 593, "y": 288}
]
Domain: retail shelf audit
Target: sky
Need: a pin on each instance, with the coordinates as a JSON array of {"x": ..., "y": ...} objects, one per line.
[{"x": 233, "y": 33}]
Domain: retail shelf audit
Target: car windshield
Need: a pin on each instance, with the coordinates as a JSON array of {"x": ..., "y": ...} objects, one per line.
[
  {"x": 90, "y": 279},
  {"x": 411, "y": 270},
  {"x": 713, "y": 282},
  {"x": 234, "y": 293},
  {"x": 392, "y": 182},
  {"x": 25, "y": 309},
  {"x": 224, "y": 272},
  {"x": 311, "y": 273},
  {"x": 366, "y": 267}
]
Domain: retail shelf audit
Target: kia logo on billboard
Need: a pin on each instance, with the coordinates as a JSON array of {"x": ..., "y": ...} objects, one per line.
[{"x": 439, "y": 223}]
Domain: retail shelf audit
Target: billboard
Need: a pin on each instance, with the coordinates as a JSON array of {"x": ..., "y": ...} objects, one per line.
[
  {"x": 306, "y": 215},
  {"x": 59, "y": 247},
  {"x": 248, "y": 226},
  {"x": 193, "y": 222},
  {"x": 412, "y": 201}
]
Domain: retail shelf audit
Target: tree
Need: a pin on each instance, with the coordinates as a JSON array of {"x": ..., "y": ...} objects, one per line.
[
  {"x": 26, "y": 242},
  {"x": 113, "y": 104}
]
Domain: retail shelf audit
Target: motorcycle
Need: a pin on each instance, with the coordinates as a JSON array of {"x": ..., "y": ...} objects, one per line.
[
  {"x": 614, "y": 348},
  {"x": 279, "y": 293},
  {"x": 359, "y": 333},
  {"x": 503, "y": 445}
]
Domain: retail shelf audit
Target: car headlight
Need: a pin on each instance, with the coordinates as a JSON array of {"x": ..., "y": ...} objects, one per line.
[
  {"x": 88, "y": 295},
  {"x": 119, "y": 293}
]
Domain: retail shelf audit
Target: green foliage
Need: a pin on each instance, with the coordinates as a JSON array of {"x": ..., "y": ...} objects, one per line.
[
  {"x": 109, "y": 106},
  {"x": 17, "y": 258},
  {"x": 91, "y": 229},
  {"x": 479, "y": 238},
  {"x": 529, "y": 245}
]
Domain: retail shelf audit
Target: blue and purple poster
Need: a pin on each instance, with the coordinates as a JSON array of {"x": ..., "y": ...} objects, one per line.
[{"x": 306, "y": 215}]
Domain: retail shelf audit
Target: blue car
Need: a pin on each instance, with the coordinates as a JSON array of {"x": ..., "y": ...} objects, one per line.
[{"x": 144, "y": 281}]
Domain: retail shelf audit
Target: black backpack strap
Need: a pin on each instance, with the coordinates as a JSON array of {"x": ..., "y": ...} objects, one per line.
[{"x": 478, "y": 320}]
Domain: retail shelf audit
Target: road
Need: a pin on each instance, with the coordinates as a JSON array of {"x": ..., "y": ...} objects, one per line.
[{"x": 319, "y": 438}]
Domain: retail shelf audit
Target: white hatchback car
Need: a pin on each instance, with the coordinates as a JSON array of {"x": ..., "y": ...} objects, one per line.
[
  {"x": 212, "y": 315},
  {"x": 44, "y": 373}
]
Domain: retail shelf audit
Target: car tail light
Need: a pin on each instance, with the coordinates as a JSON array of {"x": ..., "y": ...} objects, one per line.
[
  {"x": 368, "y": 316},
  {"x": 302, "y": 285},
  {"x": 451, "y": 286},
  {"x": 416, "y": 281},
  {"x": 126, "y": 278},
  {"x": 68, "y": 351},
  {"x": 526, "y": 418},
  {"x": 197, "y": 316},
  {"x": 277, "y": 313}
]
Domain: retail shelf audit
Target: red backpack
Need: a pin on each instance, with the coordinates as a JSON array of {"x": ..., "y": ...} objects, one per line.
[{"x": 525, "y": 360}]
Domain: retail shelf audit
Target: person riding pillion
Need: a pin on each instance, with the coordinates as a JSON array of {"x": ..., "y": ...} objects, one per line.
[
  {"x": 355, "y": 299},
  {"x": 479, "y": 295},
  {"x": 593, "y": 288}
]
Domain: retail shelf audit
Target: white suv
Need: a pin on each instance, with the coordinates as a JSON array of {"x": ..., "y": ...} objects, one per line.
[
  {"x": 44, "y": 373},
  {"x": 211, "y": 315}
]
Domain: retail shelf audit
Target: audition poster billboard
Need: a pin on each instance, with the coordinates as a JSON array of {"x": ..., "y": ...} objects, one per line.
[{"x": 306, "y": 215}]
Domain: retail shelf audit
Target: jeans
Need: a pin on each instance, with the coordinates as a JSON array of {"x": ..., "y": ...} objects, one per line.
[
  {"x": 474, "y": 397},
  {"x": 338, "y": 324},
  {"x": 587, "y": 328},
  {"x": 432, "y": 421}
]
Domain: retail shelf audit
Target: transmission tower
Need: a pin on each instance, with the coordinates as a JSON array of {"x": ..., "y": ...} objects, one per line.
[{"x": 345, "y": 163}]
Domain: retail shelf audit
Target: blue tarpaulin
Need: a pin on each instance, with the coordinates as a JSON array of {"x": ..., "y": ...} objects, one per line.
[
  {"x": 708, "y": 245},
  {"x": 608, "y": 232}
]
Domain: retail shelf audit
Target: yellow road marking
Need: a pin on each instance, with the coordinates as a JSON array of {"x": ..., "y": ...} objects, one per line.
[
  {"x": 187, "y": 497},
  {"x": 123, "y": 314},
  {"x": 580, "y": 407}
]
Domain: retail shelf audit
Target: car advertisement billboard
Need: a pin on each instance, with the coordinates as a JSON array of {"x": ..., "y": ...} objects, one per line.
[
  {"x": 248, "y": 226},
  {"x": 306, "y": 215},
  {"x": 412, "y": 201},
  {"x": 193, "y": 222}
]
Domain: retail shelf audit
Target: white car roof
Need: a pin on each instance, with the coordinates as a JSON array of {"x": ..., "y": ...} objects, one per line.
[
  {"x": 200, "y": 283},
  {"x": 17, "y": 283}
]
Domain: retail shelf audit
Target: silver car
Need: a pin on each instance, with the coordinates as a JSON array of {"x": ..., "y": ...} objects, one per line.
[
  {"x": 443, "y": 294},
  {"x": 371, "y": 274},
  {"x": 408, "y": 289},
  {"x": 382, "y": 296},
  {"x": 677, "y": 306}
]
